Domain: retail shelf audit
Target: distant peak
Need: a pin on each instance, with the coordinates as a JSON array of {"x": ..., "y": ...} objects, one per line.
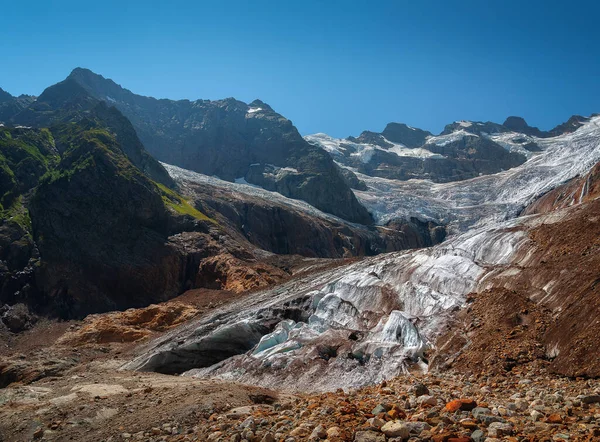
[
  {"x": 83, "y": 71},
  {"x": 259, "y": 103},
  {"x": 515, "y": 123},
  {"x": 406, "y": 126},
  {"x": 518, "y": 124},
  {"x": 404, "y": 134}
]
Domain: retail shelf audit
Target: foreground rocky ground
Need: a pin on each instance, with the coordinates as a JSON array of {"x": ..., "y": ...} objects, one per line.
[
  {"x": 95, "y": 401},
  {"x": 62, "y": 382}
]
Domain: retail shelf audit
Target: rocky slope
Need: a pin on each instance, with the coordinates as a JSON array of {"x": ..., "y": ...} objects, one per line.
[
  {"x": 232, "y": 140},
  {"x": 545, "y": 303},
  {"x": 70, "y": 389},
  {"x": 83, "y": 230}
]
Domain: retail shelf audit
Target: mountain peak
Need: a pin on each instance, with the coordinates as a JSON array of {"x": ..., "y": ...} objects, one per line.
[
  {"x": 518, "y": 124},
  {"x": 404, "y": 134},
  {"x": 4, "y": 96},
  {"x": 261, "y": 104},
  {"x": 99, "y": 86},
  {"x": 80, "y": 70}
]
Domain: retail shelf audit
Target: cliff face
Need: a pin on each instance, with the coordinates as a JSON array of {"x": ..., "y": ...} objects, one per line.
[{"x": 82, "y": 230}]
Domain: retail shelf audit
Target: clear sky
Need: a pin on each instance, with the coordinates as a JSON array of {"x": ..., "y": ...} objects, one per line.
[{"x": 338, "y": 67}]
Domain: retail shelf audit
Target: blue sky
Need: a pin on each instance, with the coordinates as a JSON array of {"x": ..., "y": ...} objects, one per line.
[{"x": 338, "y": 67}]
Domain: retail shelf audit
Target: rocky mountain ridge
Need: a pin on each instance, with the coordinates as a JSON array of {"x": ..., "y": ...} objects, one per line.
[
  {"x": 232, "y": 140},
  {"x": 10, "y": 105},
  {"x": 90, "y": 221}
]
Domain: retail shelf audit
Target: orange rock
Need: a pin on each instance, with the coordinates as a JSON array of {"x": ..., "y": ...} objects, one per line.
[
  {"x": 130, "y": 325},
  {"x": 396, "y": 413},
  {"x": 554, "y": 419},
  {"x": 454, "y": 405},
  {"x": 461, "y": 404},
  {"x": 460, "y": 439}
]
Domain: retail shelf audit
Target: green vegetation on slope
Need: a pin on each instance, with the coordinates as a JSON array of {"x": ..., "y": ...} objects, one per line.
[
  {"x": 25, "y": 156},
  {"x": 18, "y": 214},
  {"x": 179, "y": 204}
]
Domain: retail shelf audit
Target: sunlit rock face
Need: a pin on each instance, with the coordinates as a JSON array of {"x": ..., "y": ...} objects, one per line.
[{"x": 374, "y": 319}]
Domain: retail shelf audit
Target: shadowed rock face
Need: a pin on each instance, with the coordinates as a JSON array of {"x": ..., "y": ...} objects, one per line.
[
  {"x": 231, "y": 139},
  {"x": 519, "y": 124},
  {"x": 95, "y": 234},
  {"x": 403, "y": 134}
]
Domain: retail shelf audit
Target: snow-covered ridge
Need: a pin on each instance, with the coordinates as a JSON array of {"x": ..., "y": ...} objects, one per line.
[
  {"x": 364, "y": 151},
  {"x": 513, "y": 142},
  {"x": 443, "y": 140}
]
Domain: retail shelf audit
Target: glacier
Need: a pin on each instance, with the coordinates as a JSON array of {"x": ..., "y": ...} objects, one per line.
[{"x": 374, "y": 319}]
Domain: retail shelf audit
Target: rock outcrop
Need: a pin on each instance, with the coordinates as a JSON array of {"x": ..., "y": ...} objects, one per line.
[{"x": 128, "y": 326}]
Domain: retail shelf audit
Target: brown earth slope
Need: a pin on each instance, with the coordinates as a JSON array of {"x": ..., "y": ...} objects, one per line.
[{"x": 545, "y": 307}]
